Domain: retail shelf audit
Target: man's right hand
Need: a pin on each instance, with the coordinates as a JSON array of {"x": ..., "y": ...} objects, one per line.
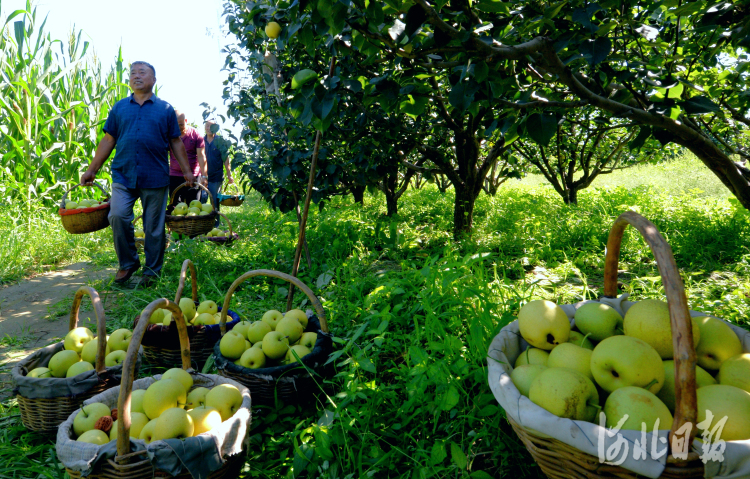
[
  {"x": 88, "y": 178},
  {"x": 189, "y": 179}
]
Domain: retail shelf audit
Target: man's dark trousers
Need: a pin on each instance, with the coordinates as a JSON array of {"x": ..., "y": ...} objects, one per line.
[{"x": 154, "y": 202}]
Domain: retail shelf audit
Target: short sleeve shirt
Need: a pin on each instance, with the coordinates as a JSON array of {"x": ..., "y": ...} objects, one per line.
[
  {"x": 192, "y": 141},
  {"x": 142, "y": 134},
  {"x": 214, "y": 161}
]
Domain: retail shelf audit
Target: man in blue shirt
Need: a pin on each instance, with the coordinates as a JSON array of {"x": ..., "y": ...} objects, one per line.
[
  {"x": 217, "y": 161},
  {"x": 143, "y": 128}
]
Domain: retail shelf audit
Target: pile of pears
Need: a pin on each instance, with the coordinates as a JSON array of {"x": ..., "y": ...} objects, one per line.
[
  {"x": 170, "y": 408},
  {"x": 196, "y": 208},
  {"x": 80, "y": 353},
  {"x": 81, "y": 204},
  {"x": 624, "y": 366},
  {"x": 277, "y": 339},
  {"x": 206, "y": 313},
  {"x": 215, "y": 233}
]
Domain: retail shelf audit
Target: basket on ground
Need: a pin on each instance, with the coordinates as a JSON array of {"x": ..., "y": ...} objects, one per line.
[
  {"x": 216, "y": 454},
  {"x": 161, "y": 344},
  {"x": 231, "y": 199},
  {"x": 190, "y": 225},
  {"x": 46, "y": 402},
  {"x": 291, "y": 383},
  {"x": 84, "y": 220},
  {"x": 568, "y": 449},
  {"x": 226, "y": 238}
]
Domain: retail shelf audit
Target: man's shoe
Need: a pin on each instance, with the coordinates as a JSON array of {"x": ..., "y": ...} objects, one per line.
[
  {"x": 122, "y": 276},
  {"x": 146, "y": 281}
]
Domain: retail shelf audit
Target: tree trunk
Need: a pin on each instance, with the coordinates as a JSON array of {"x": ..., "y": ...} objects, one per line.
[
  {"x": 721, "y": 165},
  {"x": 571, "y": 196},
  {"x": 359, "y": 194},
  {"x": 463, "y": 212},
  {"x": 390, "y": 184}
]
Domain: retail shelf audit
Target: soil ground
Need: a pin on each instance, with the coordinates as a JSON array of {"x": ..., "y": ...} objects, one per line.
[{"x": 36, "y": 312}]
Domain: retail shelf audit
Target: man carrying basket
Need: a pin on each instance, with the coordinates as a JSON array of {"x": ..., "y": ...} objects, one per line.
[{"x": 143, "y": 128}]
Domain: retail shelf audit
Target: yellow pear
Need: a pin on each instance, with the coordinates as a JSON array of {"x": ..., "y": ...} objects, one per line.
[
  {"x": 719, "y": 343},
  {"x": 543, "y": 324},
  {"x": 649, "y": 320}
]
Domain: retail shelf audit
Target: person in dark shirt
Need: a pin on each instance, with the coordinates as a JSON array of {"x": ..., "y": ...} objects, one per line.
[
  {"x": 217, "y": 161},
  {"x": 143, "y": 128}
]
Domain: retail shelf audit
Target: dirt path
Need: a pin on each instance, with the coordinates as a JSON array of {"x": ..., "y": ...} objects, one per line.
[{"x": 36, "y": 312}]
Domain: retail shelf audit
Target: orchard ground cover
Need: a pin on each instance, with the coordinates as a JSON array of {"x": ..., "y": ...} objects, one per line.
[{"x": 414, "y": 312}]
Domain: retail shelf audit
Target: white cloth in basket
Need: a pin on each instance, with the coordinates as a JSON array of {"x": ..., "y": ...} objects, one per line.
[{"x": 199, "y": 455}]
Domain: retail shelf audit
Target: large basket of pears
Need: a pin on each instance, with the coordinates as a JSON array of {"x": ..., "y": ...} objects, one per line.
[
  {"x": 54, "y": 381},
  {"x": 219, "y": 236},
  {"x": 161, "y": 342},
  {"x": 194, "y": 219},
  {"x": 84, "y": 216},
  {"x": 622, "y": 397},
  {"x": 181, "y": 424},
  {"x": 282, "y": 356}
]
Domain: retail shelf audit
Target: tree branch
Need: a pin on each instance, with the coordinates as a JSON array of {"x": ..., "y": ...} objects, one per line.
[
  {"x": 517, "y": 52},
  {"x": 434, "y": 155},
  {"x": 543, "y": 103}
]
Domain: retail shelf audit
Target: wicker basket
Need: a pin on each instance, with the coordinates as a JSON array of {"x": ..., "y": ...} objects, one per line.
[
  {"x": 45, "y": 414},
  {"x": 561, "y": 461},
  {"x": 225, "y": 240},
  {"x": 231, "y": 200},
  {"x": 136, "y": 465},
  {"x": 190, "y": 225},
  {"x": 161, "y": 345},
  {"x": 85, "y": 220},
  {"x": 290, "y": 383}
]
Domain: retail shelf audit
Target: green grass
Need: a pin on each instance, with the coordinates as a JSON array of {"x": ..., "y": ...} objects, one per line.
[
  {"x": 413, "y": 314},
  {"x": 684, "y": 174}
]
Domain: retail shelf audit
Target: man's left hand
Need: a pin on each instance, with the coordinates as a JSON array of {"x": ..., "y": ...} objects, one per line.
[{"x": 204, "y": 181}]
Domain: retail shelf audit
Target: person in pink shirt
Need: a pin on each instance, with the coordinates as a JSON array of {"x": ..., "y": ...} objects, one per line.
[{"x": 194, "y": 146}]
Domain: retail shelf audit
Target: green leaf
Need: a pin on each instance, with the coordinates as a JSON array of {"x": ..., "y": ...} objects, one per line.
[
  {"x": 480, "y": 71},
  {"x": 460, "y": 98},
  {"x": 480, "y": 475},
  {"x": 458, "y": 456},
  {"x": 541, "y": 127},
  {"x": 492, "y": 6},
  {"x": 449, "y": 400},
  {"x": 414, "y": 106},
  {"x": 638, "y": 141},
  {"x": 699, "y": 105},
  {"x": 554, "y": 9},
  {"x": 438, "y": 453},
  {"x": 595, "y": 51}
]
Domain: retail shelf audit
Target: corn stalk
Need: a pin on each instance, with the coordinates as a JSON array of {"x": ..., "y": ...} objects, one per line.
[{"x": 54, "y": 99}]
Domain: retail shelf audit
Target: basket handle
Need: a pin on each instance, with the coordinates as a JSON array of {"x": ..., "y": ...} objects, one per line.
[
  {"x": 101, "y": 322},
  {"x": 197, "y": 185},
  {"x": 236, "y": 187},
  {"x": 231, "y": 232},
  {"x": 128, "y": 367},
  {"x": 682, "y": 327},
  {"x": 136, "y": 218},
  {"x": 193, "y": 281},
  {"x": 273, "y": 274},
  {"x": 65, "y": 195}
]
